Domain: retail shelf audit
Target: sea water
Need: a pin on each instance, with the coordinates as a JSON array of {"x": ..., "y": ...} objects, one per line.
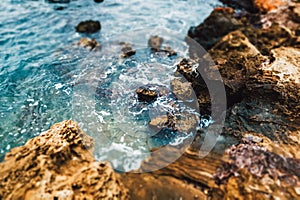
[{"x": 45, "y": 79}]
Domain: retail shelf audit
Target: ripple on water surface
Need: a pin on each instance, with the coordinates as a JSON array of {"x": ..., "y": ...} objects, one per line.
[{"x": 40, "y": 70}]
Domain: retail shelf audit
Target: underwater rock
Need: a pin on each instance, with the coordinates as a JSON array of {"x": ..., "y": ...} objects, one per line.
[
  {"x": 147, "y": 94},
  {"x": 219, "y": 23},
  {"x": 88, "y": 26},
  {"x": 88, "y": 43},
  {"x": 58, "y": 1},
  {"x": 127, "y": 50},
  {"x": 155, "y": 42},
  {"x": 58, "y": 164},
  {"x": 98, "y": 1}
]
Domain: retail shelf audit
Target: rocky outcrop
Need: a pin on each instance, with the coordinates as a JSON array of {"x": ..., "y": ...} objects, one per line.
[
  {"x": 256, "y": 5},
  {"x": 88, "y": 26},
  {"x": 58, "y": 164},
  {"x": 88, "y": 43}
]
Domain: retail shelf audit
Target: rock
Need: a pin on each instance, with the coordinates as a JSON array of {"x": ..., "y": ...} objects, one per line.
[
  {"x": 286, "y": 17},
  {"x": 58, "y": 164},
  {"x": 58, "y": 1},
  {"x": 127, "y": 50},
  {"x": 89, "y": 26},
  {"x": 182, "y": 90},
  {"x": 90, "y": 44},
  {"x": 219, "y": 23},
  {"x": 155, "y": 42},
  {"x": 147, "y": 94},
  {"x": 256, "y": 5},
  {"x": 98, "y": 1}
]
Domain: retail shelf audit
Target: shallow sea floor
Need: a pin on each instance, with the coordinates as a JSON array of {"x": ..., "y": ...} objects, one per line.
[{"x": 44, "y": 79}]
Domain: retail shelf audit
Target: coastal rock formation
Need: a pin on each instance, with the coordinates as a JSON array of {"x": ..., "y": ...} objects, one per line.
[
  {"x": 256, "y": 5},
  {"x": 58, "y": 164},
  {"x": 88, "y": 26}
]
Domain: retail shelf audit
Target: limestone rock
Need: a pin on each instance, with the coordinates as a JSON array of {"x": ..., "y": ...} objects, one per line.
[{"x": 58, "y": 164}]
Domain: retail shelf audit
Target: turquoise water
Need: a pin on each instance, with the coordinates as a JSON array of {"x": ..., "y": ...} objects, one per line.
[{"x": 41, "y": 71}]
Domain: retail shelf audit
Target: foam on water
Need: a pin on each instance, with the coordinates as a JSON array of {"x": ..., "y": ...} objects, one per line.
[{"x": 40, "y": 69}]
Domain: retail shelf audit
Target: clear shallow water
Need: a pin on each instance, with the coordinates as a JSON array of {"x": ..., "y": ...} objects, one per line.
[{"x": 41, "y": 72}]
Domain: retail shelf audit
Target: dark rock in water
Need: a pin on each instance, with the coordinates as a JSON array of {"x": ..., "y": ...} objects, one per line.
[
  {"x": 167, "y": 50},
  {"x": 58, "y": 164},
  {"x": 218, "y": 24},
  {"x": 59, "y": 8},
  {"x": 147, "y": 94},
  {"x": 91, "y": 44},
  {"x": 98, "y": 1},
  {"x": 127, "y": 50},
  {"x": 247, "y": 5},
  {"x": 155, "y": 42},
  {"x": 58, "y": 1},
  {"x": 89, "y": 26}
]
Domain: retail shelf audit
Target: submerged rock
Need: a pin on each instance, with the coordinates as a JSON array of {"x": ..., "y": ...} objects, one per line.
[
  {"x": 58, "y": 164},
  {"x": 127, "y": 50},
  {"x": 89, "y": 26},
  {"x": 155, "y": 44},
  {"x": 58, "y": 1},
  {"x": 147, "y": 94},
  {"x": 98, "y": 1},
  {"x": 88, "y": 43}
]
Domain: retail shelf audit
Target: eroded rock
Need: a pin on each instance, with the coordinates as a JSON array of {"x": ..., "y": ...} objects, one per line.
[
  {"x": 58, "y": 164},
  {"x": 88, "y": 26},
  {"x": 88, "y": 43},
  {"x": 127, "y": 50},
  {"x": 147, "y": 94}
]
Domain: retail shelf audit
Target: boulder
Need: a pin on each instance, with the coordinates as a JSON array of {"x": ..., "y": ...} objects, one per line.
[
  {"x": 88, "y": 43},
  {"x": 58, "y": 164},
  {"x": 88, "y": 26}
]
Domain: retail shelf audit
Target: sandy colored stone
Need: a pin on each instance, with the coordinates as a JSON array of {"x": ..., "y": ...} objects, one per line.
[{"x": 58, "y": 164}]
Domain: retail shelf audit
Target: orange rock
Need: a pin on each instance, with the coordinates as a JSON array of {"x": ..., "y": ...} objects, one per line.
[{"x": 268, "y": 5}]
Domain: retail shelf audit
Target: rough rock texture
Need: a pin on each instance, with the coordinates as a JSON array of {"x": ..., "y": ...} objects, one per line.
[
  {"x": 220, "y": 22},
  {"x": 155, "y": 44},
  {"x": 127, "y": 50},
  {"x": 88, "y": 26},
  {"x": 256, "y": 5},
  {"x": 58, "y": 165}
]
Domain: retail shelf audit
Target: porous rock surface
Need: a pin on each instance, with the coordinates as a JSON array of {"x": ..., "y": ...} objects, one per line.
[{"x": 58, "y": 164}]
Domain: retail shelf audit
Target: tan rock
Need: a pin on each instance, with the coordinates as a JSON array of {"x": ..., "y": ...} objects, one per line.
[{"x": 58, "y": 164}]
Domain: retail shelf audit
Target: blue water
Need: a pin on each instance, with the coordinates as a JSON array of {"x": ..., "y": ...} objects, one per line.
[{"x": 41, "y": 70}]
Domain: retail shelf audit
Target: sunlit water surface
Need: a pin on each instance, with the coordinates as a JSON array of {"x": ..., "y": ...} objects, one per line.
[{"x": 44, "y": 79}]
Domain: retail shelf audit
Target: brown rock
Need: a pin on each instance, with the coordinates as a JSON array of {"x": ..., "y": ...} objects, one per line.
[
  {"x": 155, "y": 42},
  {"x": 58, "y": 164},
  {"x": 127, "y": 50},
  {"x": 219, "y": 23},
  {"x": 146, "y": 94},
  {"x": 90, "y": 44},
  {"x": 88, "y": 26}
]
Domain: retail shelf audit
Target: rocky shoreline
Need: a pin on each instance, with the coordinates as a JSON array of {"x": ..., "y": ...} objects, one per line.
[{"x": 257, "y": 51}]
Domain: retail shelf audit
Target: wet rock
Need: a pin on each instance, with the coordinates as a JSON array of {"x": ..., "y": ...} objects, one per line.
[
  {"x": 182, "y": 90},
  {"x": 88, "y": 43},
  {"x": 98, "y": 1},
  {"x": 88, "y": 26},
  {"x": 155, "y": 42},
  {"x": 58, "y": 1},
  {"x": 218, "y": 24},
  {"x": 58, "y": 164},
  {"x": 147, "y": 94},
  {"x": 182, "y": 122},
  {"x": 127, "y": 50}
]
